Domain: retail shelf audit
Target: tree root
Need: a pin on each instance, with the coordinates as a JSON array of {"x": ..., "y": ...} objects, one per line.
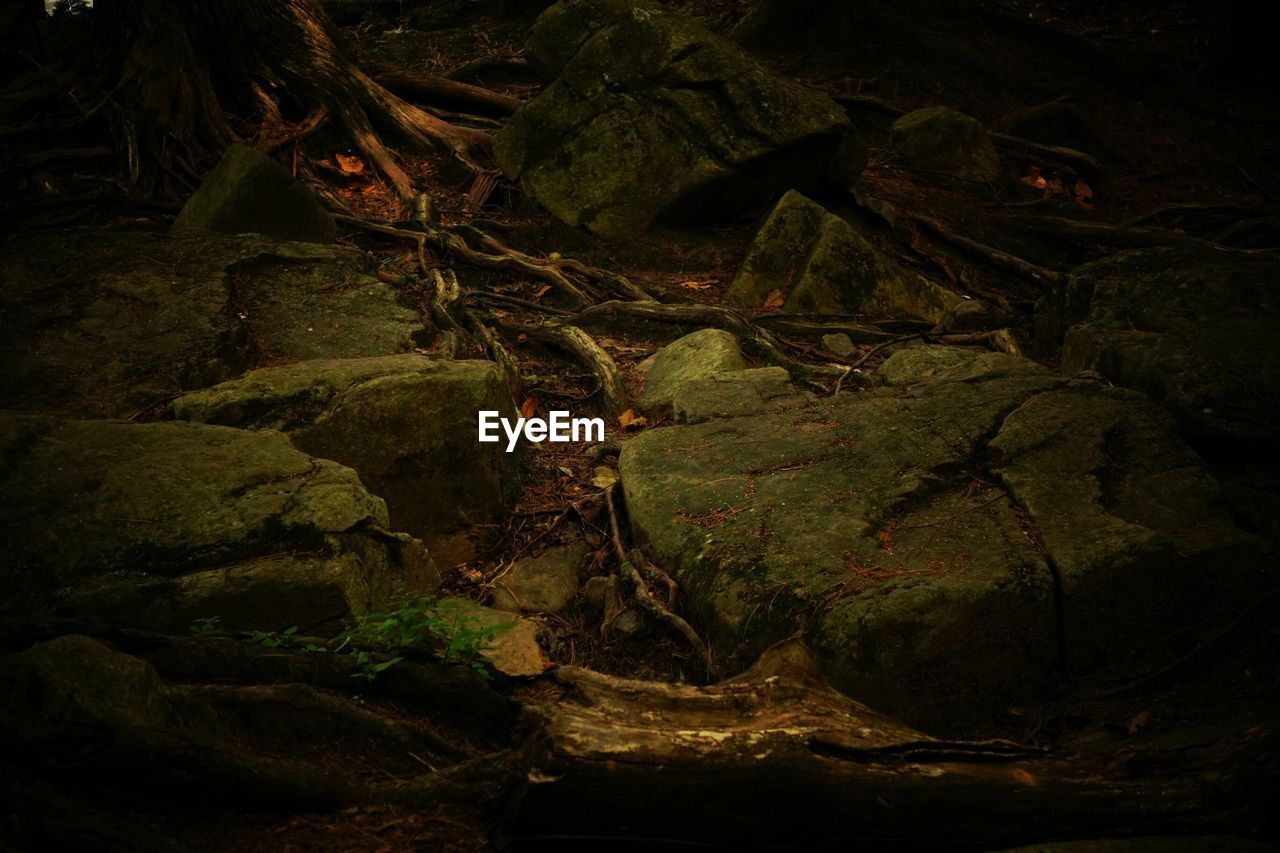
[
  {"x": 588, "y": 353},
  {"x": 1042, "y": 277},
  {"x": 640, "y": 591}
]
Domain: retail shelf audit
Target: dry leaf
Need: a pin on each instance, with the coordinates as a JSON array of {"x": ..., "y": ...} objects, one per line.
[
  {"x": 542, "y": 291},
  {"x": 604, "y": 477},
  {"x": 529, "y": 408},
  {"x": 774, "y": 300},
  {"x": 1034, "y": 179},
  {"x": 629, "y": 420},
  {"x": 522, "y": 337},
  {"x": 1082, "y": 190},
  {"x": 698, "y": 285},
  {"x": 1139, "y": 722},
  {"x": 349, "y": 165}
]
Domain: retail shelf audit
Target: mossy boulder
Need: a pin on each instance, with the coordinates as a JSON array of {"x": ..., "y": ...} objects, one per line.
[
  {"x": 738, "y": 392},
  {"x": 405, "y": 423},
  {"x": 871, "y": 522},
  {"x": 108, "y": 324},
  {"x": 650, "y": 116},
  {"x": 248, "y": 192},
  {"x": 1194, "y": 328},
  {"x": 940, "y": 139},
  {"x": 821, "y": 264},
  {"x": 698, "y": 355},
  {"x": 163, "y": 521}
]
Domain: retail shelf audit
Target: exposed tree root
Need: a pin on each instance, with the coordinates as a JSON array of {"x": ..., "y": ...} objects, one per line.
[
  {"x": 640, "y": 591},
  {"x": 586, "y": 352}
]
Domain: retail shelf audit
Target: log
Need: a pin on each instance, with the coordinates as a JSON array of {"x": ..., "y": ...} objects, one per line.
[{"x": 777, "y": 758}]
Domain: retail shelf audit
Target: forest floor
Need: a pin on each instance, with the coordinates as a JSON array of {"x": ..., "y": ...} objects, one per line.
[{"x": 1186, "y": 146}]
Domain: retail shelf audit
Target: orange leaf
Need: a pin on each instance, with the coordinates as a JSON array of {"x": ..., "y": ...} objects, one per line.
[
  {"x": 542, "y": 291},
  {"x": 529, "y": 408},
  {"x": 774, "y": 300},
  {"x": 349, "y": 165},
  {"x": 522, "y": 337},
  {"x": 697, "y": 285},
  {"x": 629, "y": 420},
  {"x": 1083, "y": 191},
  {"x": 1033, "y": 178}
]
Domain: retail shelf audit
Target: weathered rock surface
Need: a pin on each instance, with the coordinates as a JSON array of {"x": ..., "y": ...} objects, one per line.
[
  {"x": 698, "y": 355},
  {"x": 941, "y": 139},
  {"x": 872, "y": 521},
  {"x": 740, "y": 392},
  {"x": 1193, "y": 328},
  {"x": 822, "y": 264},
  {"x": 652, "y": 116},
  {"x": 248, "y": 192},
  {"x": 107, "y": 324},
  {"x": 547, "y": 583},
  {"x": 158, "y": 524},
  {"x": 405, "y": 423}
]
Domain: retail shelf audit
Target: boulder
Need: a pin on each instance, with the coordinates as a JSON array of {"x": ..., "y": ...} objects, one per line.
[
  {"x": 405, "y": 423},
  {"x": 739, "y": 392},
  {"x": 547, "y": 583},
  {"x": 650, "y": 116},
  {"x": 1194, "y": 328},
  {"x": 821, "y": 264},
  {"x": 138, "y": 318},
  {"x": 940, "y": 139},
  {"x": 248, "y": 192},
  {"x": 872, "y": 522},
  {"x": 160, "y": 524},
  {"x": 839, "y": 343},
  {"x": 702, "y": 354}
]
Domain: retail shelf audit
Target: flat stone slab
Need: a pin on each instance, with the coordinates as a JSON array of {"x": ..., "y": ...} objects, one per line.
[
  {"x": 109, "y": 324},
  {"x": 405, "y": 423},
  {"x": 924, "y": 579},
  {"x": 189, "y": 513}
]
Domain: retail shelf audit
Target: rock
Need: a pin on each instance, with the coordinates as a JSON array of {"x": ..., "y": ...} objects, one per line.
[
  {"x": 941, "y": 139},
  {"x": 155, "y": 522},
  {"x": 823, "y": 265},
  {"x": 511, "y": 645},
  {"x": 1193, "y": 328},
  {"x": 872, "y": 520},
  {"x": 916, "y": 364},
  {"x": 695, "y": 356},
  {"x": 405, "y": 423},
  {"x": 840, "y": 344},
  {"x": 547, "y": 583},
  {"x": 650, "y": 116},
  {"x": 212, "y": 306},
  {"x": 1133, "y": 523},
  {"x": 740, "y": 392},
  {"x": 1060, "y": 123},
  {"x": 248, "y": 192}
]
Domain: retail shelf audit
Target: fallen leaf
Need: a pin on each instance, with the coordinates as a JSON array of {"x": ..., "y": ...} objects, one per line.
[
  {"x": 522, "y": 337},
  {"x": 1024, "y": 777},
  {"x": 1034, "y": 179},
  {"x": 529, "y": 408},
  {"x": 629, "y": 420},
  {"x": 1082, "y": 190},
  {"x": 698, "y": 285},
  {"x": 774, "y": 300},
  {"x": 349, "y": 165},
  {"x": 542, "y": 291},
  {"x": 566, "y": 471},
  {"x": 1139, "y": 722},
  {"x": 604, "y": 477}
]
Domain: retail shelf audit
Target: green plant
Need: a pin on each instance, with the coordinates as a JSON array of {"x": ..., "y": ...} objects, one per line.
[
  {"x": 210, "y": 626},
  {"x": 272, "y": 639}
]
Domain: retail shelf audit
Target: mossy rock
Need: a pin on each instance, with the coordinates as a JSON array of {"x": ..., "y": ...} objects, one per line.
[
  {"x": 698, "y": 355},
  {"x": 821, "y": 264},
  {"x": 248, "y": 192},
  {"x": 872, "y": 522},
  {"x": 1191, "y": 327},
  {"x": 547, "y": 583},
  {"x": 739, "y": 392},
  {"x": 940, "y": 139},
  {"x": 651, "y": 116},
  {"x": 108, "y": 324},
  {"x": 405, "y": 423},
  {"x": 192, "y": 512}
]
